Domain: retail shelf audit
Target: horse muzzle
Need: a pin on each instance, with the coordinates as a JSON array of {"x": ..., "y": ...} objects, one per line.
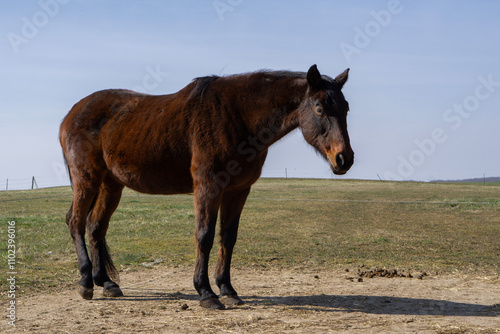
[{"x": 340, "y": 164}]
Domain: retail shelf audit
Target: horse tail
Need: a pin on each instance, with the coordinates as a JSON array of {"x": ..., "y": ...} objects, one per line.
[
  {"x": 67, "y": 169},
  {"x": 108, "y": 262}
]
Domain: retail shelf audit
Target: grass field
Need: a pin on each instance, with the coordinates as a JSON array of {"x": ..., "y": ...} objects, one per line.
[{"x": 286, "y": 223}]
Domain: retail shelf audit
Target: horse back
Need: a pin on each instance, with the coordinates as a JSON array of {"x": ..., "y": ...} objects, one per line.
[
  {"x": 138, "y": 138},
  {"x": 157, "y": 144}
]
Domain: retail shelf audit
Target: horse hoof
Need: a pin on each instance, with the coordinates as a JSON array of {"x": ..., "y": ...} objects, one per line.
[
  {"x": 112, "y": 292},
  {"x": 212, "y": 303},
  {"x": 86, "y": 293},
  {"x": 231, "y": 300}
]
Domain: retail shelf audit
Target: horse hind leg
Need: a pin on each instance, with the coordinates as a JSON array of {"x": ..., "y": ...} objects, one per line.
[
  {"x": 97, "y": 225},
  {"x": 76, "y": 220}
]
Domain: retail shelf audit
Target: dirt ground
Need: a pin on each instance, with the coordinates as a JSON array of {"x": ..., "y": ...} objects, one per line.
[{"x": 162, "y": 300}]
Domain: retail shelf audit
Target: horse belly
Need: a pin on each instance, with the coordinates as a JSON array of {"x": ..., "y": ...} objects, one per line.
[
  {"x": 148, "y": 153},
  {"x": 167, "y": 174}
]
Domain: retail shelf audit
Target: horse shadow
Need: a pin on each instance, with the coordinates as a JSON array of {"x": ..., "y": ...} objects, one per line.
[
  {"x": 379, "y": 305},
  {"x": 388, "y": 305},
  {"x": 145, "y": 294}
]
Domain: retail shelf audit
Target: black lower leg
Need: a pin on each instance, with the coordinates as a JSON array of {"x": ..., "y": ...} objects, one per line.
[
  {"x": 100, "y": 257},
  {"x": 202, "y": 285},
  {"x": 84, "y": 264},
  {"x": 223, "y": 273},
  {"x": 205, "y": 236},
  {"x": 224, "y": 284},
  {"x": 102, "y": 263},
  {"x": 85, "y": 284},
  {"x": 223, "y": 281}
]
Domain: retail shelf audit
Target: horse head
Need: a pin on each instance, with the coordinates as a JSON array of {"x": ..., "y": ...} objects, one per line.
[{"x": 323, "y": 119}]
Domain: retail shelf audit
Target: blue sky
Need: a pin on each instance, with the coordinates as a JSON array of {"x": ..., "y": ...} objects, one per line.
[{"x": 424, "y": 86}]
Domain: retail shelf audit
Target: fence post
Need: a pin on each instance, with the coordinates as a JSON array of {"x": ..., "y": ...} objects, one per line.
[
  {"x": 7, "y": 185},
  {"x": 33, "y": 183}
]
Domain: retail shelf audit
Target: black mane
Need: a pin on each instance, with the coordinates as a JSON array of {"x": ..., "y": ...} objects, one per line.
[
  {"x": 291, "y": 74},
  {"x": 202, "y": 83}
]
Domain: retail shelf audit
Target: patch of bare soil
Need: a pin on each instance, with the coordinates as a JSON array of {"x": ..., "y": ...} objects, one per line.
[{"x": 162, "y": 300}]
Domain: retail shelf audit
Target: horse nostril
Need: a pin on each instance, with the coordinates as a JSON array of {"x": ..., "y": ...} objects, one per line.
[{"x": 339, "y": 159}]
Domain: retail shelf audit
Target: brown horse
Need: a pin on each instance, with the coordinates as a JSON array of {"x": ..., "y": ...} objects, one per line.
[{"x": 211, "y": 139}]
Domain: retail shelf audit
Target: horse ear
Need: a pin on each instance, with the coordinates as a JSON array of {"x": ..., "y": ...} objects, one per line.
[
  {"x": 342, "y": 78},
  {"x": 314, "y": 78}
]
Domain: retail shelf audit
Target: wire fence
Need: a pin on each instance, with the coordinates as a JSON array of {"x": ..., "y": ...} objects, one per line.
[
  {"x": 33, "y": 182},
  {"x": 62, "y": 178},
  {"x": 38, "y": 182},
  {"x": 294, "y": 173}
]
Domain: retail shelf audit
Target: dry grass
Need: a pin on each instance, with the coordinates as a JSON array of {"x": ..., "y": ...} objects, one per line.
[{"x": 286, "y": 223}]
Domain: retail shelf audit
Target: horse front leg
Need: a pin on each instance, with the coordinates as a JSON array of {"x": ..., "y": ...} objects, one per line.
[
  {"x": 231, "y": 207},
  {"x": 206, "y": 207}
]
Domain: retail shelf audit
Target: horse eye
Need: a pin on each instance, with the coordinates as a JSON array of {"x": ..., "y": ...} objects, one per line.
[{"x": 319, "y": 109}]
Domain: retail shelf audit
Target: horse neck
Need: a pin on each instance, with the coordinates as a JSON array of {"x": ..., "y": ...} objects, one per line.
[{"x": 275, "y": 108}]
